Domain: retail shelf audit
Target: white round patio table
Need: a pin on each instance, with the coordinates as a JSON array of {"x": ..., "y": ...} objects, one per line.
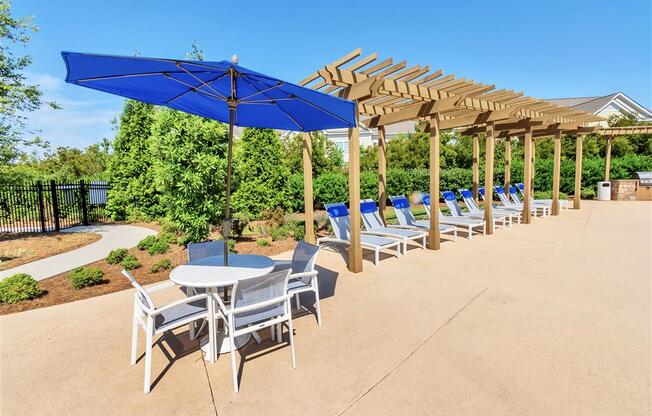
[{"x": 211, "y": 274}]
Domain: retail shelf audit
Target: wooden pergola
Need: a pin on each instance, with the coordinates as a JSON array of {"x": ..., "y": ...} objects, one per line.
[{"x": 387, "y": 92}]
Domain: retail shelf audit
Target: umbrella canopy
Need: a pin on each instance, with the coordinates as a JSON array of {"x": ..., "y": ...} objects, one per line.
[
  {"x": 206, "y": 89},
  {"x": 220, "y": 90}
]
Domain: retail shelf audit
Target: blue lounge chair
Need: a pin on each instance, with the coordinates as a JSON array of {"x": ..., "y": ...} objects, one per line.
[
  {"x": 504, "y": 199},
  {"x": 467, "y": 197},
  {"x": 540, "y": 207},
  {"x": 563, "y": 203},
  {"x": 338, "y": 215},
  {"x": 374, "y": 225},
  {"x": 451, "y": 202},
  {"x": 406, "y": 218},
  {"x": 465, "y": 223}
]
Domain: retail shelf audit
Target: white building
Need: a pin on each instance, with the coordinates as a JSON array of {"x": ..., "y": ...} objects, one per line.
[{"x": 604, "y": 106}]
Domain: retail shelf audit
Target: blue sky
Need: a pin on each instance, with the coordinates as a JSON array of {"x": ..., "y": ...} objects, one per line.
[{"x": 547, "y": 49}]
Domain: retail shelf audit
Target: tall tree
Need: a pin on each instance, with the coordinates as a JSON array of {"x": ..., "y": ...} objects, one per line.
[
  {"x": 325, "y": 155},
  {"x": 262, "y": 177},
  {"x": 17, "y": 96},
  {"x": 133, "y": 194}
]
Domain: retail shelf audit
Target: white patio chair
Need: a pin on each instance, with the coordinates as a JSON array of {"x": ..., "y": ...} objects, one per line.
[
  {"x": 407, "y": 220},
  {"x": 563, "y": 203},
  {"x": 469, "y": 224},
  {"x": 338, "y": 215},
  {"x": 157, "y": 320},
  {"x": 374, "y": 225},
  {"x": 509, "y": 208},
  {"x": 303, "y": 276},
  {"x": 467, "y": 197},
  {"x": 258, "y": 303},
  {"x": 539, "y": 207},
  {"x": 507, "y": 203},
  {"x": 451, "y": 202}
]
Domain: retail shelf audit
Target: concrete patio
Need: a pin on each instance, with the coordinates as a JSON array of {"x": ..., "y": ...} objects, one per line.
[{"x": 553, "y": 318}]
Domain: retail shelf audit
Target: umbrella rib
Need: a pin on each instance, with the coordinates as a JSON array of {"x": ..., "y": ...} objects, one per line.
[
  {"x": 202, "y": 82},
  {"x": 193, "y": 88},
  {"x": 322, "y": 110},
  {"x": 270, "y": 100},
  {"x": 280, "y": 84},
  {"x": 262, "y": 92},
  {"x": 183, "y": 94}
]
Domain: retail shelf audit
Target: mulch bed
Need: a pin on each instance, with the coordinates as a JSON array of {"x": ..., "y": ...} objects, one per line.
[
  {"x": 21, "y": 248},
  {"x": 57, "y": 289}
]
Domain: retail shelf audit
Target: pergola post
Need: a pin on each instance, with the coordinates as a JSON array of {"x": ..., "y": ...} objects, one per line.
[
  {"x": 607, "y": 159},
  {"x": 434, "y": 234},
  {"x": 556, "y": 173},
  {"x": 382, "y": 172},
  {"x": 527, "y": 176},
  {"x": 307, "y": 188},
  {"x": 476, "y": 166},
  {"x": 508, "y": 162},
  {"x": 489, "y": 179},
  {"x": 578, "y": 172},
  {"x": 355, "y": 249}
]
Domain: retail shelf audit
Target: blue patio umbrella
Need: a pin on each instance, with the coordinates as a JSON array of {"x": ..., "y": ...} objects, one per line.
[{"x": 220, "y": 90}]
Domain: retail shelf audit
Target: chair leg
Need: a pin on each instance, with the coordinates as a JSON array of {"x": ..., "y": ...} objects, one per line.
[
  {"x": 148, "y": 355},
  {"x": 298, "y": 300},
  {"x": 134, "y": 339},
  {"x": 470, "y": 232},
  {"x": 279, "y": 333},
  {"x": 294, "y": 360},
  {"x": 212, "y": 330},
  {"x": 272, "y": 332},
  {"x": 234, "y": 370},
  {"x": 315, "y": 285}
]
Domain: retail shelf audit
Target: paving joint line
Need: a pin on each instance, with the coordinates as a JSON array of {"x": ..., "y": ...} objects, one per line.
[
  {"x": 208, "y": 379},
  {"x": 411, "y": 353}
]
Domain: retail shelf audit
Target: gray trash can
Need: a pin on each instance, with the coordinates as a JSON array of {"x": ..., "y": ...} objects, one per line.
[{"x": 604, "y": 191}]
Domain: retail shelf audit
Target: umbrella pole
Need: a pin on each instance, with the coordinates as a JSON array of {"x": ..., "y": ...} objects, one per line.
[{"x": 226, "y": 225}]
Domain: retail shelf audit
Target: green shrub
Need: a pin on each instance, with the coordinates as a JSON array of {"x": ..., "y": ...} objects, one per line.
[
  {"x": 280, "y": 233},
  {"x": 146, "y": 242},
  {"x": 548, "y": 195},
  {"x": 167, "y": 237},
  {"x": 163, "y": 264},
  {"x": 116, "y": 256},
  {"x": 299, "y": 230},
  {"x": 231, "y": 246},
  {"x": 331, "y": 187},
  {"x": 184, "y": 239},
  {"x": 18, "y": 287},
  {"x": 86, "y": 276},
  {"x": 587, "y": 193},
  {"x": 168, "y": 226},
  {"x": 295, "y": 201},
  {"x": 130, "y": 262},
  {"x": 158, "y": 247},
  {"x": 262, "y": 242}
]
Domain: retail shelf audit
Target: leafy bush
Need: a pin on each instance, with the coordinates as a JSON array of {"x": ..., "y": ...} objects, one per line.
[
  {"x": 117, "y": 255},
  {"x": 146, "y": 242},
  {"x": 167, "y": 237},
  {"x": 295, "y": 192},
  {"x": 548, "y": 195},
  {"x": 158, "y": 247},
  {"x": 273, "y": 217},
  {"x": 331, "y": 187},
  {"x": 587, "y": 193},
  {"x": 18, "y": 287},
  {"x": 86, "y": 276},
  {"x": 130, "y": 263},
  {"x": 163, "y": 264},
  {"x": 184, "y": 239},
  {"x": 262, "y": 242},
  {"x": 299, "y": 230},
  {"x": 168, "y": 226},
  {"x": 280, "y": 233}
]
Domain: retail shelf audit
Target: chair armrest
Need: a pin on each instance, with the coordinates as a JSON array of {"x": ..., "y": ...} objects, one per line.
[
  {"x": 243, "y": 309},
  {"x": 303, "y": 274},
  {"x": 180, "y": 302}
]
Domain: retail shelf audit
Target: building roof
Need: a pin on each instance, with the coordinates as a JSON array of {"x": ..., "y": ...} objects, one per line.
[{"x": 596, "y": 104}]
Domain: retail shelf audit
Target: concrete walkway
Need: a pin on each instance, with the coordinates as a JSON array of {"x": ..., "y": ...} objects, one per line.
[
  {"x": 113, "y": 236},
  {"x": 551, "y": 318}
]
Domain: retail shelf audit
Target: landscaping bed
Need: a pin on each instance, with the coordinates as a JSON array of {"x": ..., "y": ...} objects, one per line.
[{"x": 21, "y": 248}]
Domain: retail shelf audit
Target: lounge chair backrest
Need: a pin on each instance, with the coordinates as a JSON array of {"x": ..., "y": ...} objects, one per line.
[
  {"x": 521, "y": 187},
  {"x": 338, "y": 215},
  {"x": 501, "y": 194},
  {"x": 451, "y": 203},
  {"x": 270, "y": 291},
  {"x": 425, "y": 199},
  {"x": 402, "y": 209},
  {"x": 514, "y": 194},
  {"x": 145, "y": 302},
  {"x": 467, "y": 196},
  {"x": 370, "y": 216},
  {"x": 304, "y": 258},
  {"x": 198, "y": 251},
  {"x": 481, "y": 192}
]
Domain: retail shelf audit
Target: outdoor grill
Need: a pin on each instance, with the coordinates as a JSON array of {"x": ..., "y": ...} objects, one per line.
[{"x": 645, "y": 178}]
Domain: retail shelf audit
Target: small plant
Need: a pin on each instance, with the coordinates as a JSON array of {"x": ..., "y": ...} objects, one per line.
[
  {"x": 146, "y": 242},
  {"x": 231, "y": 246},
  {"x": 85, "y": 276},
  {"x": 273, "y": 217},
  {"x": 262, "y": 242},
  {"x": 158, "y": 247},
  {"x": 116, "y": 256},
  {"x": 18, "y": 287},
  {"x": 168, "y": 226},
  {"x": 167, "y": 237},
  {"x": 279, "y": 233},
  {"x": 298, "y": 230},
  {"x": 163, "y": 264},
  {"x": 130, "y": 262}
]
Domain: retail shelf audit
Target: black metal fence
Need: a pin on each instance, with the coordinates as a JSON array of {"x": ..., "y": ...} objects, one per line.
[{"x": 41, "y": 207}]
